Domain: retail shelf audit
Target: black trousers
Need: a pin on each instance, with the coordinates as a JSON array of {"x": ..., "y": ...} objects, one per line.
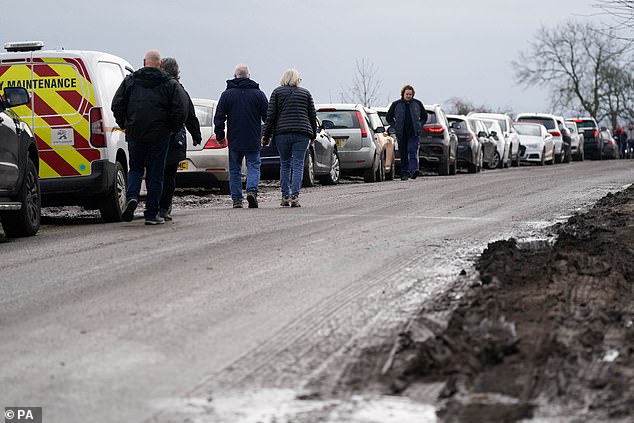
[{"x": 169, "y": 184}]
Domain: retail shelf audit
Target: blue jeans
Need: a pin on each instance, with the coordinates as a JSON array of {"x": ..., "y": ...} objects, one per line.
[
  {"x": 408, "y": 149},
  {"x": 149, "y": 157},
  {"x": 292, "y": 148},
  {"x": 235, "y": 172}
]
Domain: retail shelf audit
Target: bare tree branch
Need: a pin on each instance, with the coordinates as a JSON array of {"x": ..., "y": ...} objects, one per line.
[{"x": 365, "y": 84}]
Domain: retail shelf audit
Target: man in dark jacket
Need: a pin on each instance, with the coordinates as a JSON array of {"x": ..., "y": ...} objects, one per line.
[
  {"x": 151, "y": 106},
  {"x": 407, "y": 116},
  {"x": 177, "y": 151},
  {"x": 243, "y": 106}
]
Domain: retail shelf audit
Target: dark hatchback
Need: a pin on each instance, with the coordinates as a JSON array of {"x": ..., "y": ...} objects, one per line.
[
  {"x": 20, "y": 199},
  {"x": 321, "y": 161},
  {"x": 592, "y": 145}
]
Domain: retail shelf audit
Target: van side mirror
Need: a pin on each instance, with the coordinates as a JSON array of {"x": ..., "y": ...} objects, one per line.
[
  {"x": 15, "y": 96},
  {"x": 379, "y": 130},
  {"x": 494, "y": 134},
  {"x": 482, "y": 134},
  {"x": 391, "y": 131},
  {"x": 327, "y": 124},
  {"x": 455, "y": 125}
]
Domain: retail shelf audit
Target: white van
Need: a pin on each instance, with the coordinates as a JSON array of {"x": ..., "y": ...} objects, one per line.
[{"x": 83, "y": 153}]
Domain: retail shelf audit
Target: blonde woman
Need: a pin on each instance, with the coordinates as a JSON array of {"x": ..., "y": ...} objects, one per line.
[{"x": 292, "y": 122}]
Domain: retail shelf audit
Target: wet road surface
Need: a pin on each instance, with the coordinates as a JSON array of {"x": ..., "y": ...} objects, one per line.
[{"x": 123, "y": 322}]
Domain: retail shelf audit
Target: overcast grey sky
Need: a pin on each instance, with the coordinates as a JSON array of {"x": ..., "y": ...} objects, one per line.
[{"x": 445, "y": 48}]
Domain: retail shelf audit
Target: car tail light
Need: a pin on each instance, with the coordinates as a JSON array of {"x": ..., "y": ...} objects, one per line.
[
  {"x": 97, "y": 129},
  {"x": 578, "y": 120},
  {"x": 212, "y": 143},
  {"x": 555, "y": 133},
  {"x": 364, "y": 129},
  {"x": 596, "y": 134},
  {"x": 434, "y": 129}
]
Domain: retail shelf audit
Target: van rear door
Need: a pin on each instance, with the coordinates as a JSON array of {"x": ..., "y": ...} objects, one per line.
[{"x": 62, "y": 95}]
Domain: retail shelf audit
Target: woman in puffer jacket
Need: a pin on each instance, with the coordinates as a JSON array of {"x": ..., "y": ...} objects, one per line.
[{"x": 292, "y": 122}]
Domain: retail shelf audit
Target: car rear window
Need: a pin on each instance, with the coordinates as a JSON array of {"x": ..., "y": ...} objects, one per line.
[
  {"x": 204, "y": 115},
  {"x": 343, "y": 119},
  {"x": 464, "y": 126},
  {"x": 527, "y": 129},
  {"x": 586, "y": 124},
  {"x": 431, "y": 117},
  {"x": 547, "y": 122}
]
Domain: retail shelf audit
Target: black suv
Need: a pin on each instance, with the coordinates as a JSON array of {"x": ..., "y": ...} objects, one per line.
[
  {"x": 592, "y": 145},
  {"x": 19, "y": 183}
]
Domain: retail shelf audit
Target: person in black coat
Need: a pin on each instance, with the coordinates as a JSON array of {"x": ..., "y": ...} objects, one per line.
[
  {"x": 177, "y": 151},
  {"x": 150, "y": 106},
  {"x": 407, "y": 116},
  {"x": 292, "y": 120},
  {"x": 243, "y": 106}
]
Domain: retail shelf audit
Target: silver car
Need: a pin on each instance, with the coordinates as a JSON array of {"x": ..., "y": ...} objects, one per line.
[
  {"x": 509, "y": 134},
  {"x": 207, "y": 164},
  {"x": 360, "y": 149}
]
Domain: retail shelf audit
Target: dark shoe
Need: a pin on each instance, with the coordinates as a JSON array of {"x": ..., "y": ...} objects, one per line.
[
  {"x": 404, "y": 178},
  {"x": 156, "y": 220},
  {"x": 128, "y": 213},
  {"x": 165, "y": 214},
  {"x": 295, "y": 201},
  {"x": 237, "y": 204},
  {"x": 416, "y": 174},
  {"x": 286, "y": 201},
  {"x": 252, "y": 199}
]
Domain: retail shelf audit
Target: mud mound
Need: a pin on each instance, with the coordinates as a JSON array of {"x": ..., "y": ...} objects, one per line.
[{"x": 548, "y": 333}]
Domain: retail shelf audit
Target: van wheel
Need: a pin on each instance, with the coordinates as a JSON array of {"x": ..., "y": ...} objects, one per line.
[
  {"x": 26, "y": 221},
  {"x": 113, "y": 204}
]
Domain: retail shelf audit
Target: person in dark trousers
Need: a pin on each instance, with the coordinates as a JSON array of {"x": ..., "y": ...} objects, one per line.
[
  {"x": 407, "y": 116},
  {"x": 243, "y": 106},
  {"x": 151, "y": 106},
  {"x": 292, "y": 121},
  {"x": 177, "y": 151}
]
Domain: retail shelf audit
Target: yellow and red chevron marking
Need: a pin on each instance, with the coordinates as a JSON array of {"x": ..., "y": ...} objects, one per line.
[{"x": 62, "y": 98}]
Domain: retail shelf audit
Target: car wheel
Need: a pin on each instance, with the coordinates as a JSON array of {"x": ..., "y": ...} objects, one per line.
[
  {"x": 582, "y": 155},
  {"x": 480, "y": 161},
  {"x": 26, "y": 221},
  {"x": 225, "y": 189},
  {"x": 567, "y": 156},
  {"x": 443, "y": 167},
  {"x": 380, "y": 171},
  {"x": 113, "y": 204},
  {"x": 542, "y": 162},
  {"x": 472, "y": 167},
  {"x": 389, "y": 176},
  {"x": 335, "y": 172},
  {"x": 369, "y": 175},
  {"x": 453, "y": 167},
  {"x": 495, "y": 162},
  {"x": 516, "y": 162},
  {"x": 309, "y": 171}
]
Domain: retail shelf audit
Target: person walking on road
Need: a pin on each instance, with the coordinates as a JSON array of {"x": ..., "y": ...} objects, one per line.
[
  {"x": 243, "y": 106},
  {"x": 292, "y": 121},
  {"x": 407, "y": 116},
  {"x": 151, "y": 106},
  {"x": 177, "y": 151}
]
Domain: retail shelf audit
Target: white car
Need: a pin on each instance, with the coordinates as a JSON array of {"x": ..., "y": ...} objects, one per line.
[
  {"x": 550, "y": 122},
  {"x": 577, "y": 140},
  {"x": 537, "y": 144},
  {"x": 511, "y": 138},
  {"x": 501, "y": 156},
  {"x": 206, "y": 164}
]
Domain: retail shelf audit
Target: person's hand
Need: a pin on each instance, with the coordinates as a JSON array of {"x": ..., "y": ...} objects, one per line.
[
  {"x": 198, "y": 141},
  {"x": 265, "y": 142},
  {"x": 221, "y": 141}
]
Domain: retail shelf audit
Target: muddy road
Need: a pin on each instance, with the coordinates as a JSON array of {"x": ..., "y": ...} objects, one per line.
[{"x": 269, "y": 314}]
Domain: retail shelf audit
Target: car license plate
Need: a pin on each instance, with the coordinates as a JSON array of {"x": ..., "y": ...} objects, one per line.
[
  {"x": 183, "y": 165},
  {"x": 340, "y": 141}
]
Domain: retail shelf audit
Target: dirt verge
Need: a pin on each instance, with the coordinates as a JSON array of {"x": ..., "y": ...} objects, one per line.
[{"x": 547, "y": 331}]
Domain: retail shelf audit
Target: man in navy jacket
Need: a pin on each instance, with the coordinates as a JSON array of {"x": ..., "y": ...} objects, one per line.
[
  {"x": 243, "y": 106},
  {"x": 407, "y": 116}
]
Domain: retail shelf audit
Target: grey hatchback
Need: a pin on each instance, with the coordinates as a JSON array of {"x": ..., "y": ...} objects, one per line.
[{"x": 20, "y": 201}]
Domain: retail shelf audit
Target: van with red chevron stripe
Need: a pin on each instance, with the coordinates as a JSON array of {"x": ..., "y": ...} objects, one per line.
[{"x": 83, "y": 153}]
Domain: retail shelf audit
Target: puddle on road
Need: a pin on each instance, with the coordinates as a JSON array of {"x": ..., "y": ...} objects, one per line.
[{"x": 283, "y": 406}]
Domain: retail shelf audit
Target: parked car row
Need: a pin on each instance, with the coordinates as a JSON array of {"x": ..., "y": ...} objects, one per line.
[{"x": 62, "y": 146}]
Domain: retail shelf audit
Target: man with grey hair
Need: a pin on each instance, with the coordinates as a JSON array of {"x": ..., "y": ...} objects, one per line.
[
  {"x": 243, "y": 107},
  {"x": 151, "y": 106}
]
